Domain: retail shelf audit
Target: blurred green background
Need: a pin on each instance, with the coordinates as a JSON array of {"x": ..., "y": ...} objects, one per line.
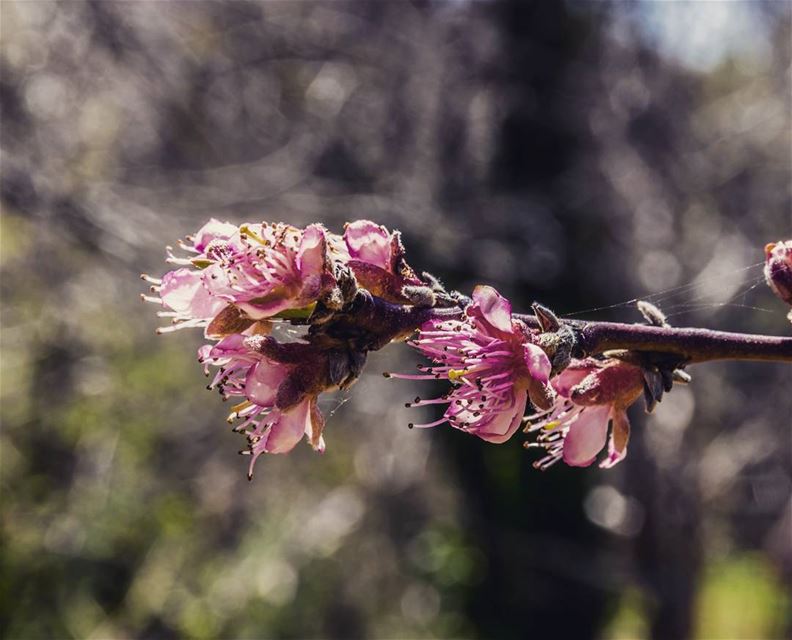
[{"x": 580, "y": 153}]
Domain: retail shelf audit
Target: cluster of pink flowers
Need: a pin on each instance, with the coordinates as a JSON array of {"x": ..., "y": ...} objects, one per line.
[
  {"x": 356, "y": 293},
  {"x": 496, "y": 367},
  {"x": 235, "y": 281}
]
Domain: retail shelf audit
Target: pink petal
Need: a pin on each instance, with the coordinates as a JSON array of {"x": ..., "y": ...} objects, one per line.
[
  {"x": 233, "y": 345},
  {"x": 289, "y": 427},
  {"x": 586, "y": 436},
  {"x": 368, "y": 242},
  {"x": 503, "y": 426},
  {"x": 617, "y": 443},
  {"x": 494, "y": 308},
  {"x": 537, "y": 362},
  {"x": 261, "y": 310},
  {"x": 182, "y": 290},
  {"x": 213, "y": 230},
  {"x": 263, "y": 380},
  {"x": 179, "y": 288},
  {"x": 216, "y": 281},
  {"x": 568, "y": 378},
  {"x": 312, "y": 255},
  {"x": 206, "y": 306}
]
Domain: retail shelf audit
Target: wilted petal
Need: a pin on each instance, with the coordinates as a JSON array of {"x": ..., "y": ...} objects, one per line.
[
  {"x": 586, "y": 436},
  {"x": 541, "y": 394},
  {"x": 378, "y": 281},
  {"x": 230, "y": 320},
  {"x": 493, "y": 307},
  {"x": 315, "y": 427},
  {"x": 618, "y": 383}
]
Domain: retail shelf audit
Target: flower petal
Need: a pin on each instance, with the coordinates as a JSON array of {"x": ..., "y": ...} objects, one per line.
[
  {"x": 312, "y": 254},
  {"x": 289, "y": 427},
  {"x": 504, "y": 424},
  {"x": 618, "y": 383},
  {"x": 229, "y": 321},
  {"x": 233, "y": 345},
  {"x": 494, "y": 308},
  {"x": 368, "y": 242},
  {"x": 568, "y": 378},
  {"x": 586, "y": 436},
  {"x": 263, "y": 381},
  {"x": 620, "y": 435},
  {"x": 213, "y": 230},
  {"x": 268, "y": 306},
  {"x": 537, "y": 362},
  {"x": 183, "y": 291},
  {"x": 314, "y": 428},
  {"x": 179, "y": 288}
]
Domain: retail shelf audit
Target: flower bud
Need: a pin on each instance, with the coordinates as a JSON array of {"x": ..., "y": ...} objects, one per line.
[{"x": 778, "y": 270}]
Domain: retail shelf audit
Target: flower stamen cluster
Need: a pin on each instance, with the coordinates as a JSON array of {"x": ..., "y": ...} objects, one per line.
[{"x": 354, "y": 293}]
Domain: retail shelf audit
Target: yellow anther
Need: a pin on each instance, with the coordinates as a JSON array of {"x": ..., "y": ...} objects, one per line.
[
  {"x": 455, "y": 374},
  {"x": 242, "y": 405},
  {"x": 552, "y": 425},
  {"x": 246, "y": 230}
]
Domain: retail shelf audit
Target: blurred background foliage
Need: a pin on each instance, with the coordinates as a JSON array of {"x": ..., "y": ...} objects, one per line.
[{"x": 578, "y": 153}]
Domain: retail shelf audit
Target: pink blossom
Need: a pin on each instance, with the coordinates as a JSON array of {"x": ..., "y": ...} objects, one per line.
[
  {"x": 269, "y": 268},
  {"x": 493, "y": 363},
  {"x": 270, "y": 413},
  {"x": 376, "y": 257},
  {"x": 245, "y": 274},
  {"x": 591, "y": 394}
]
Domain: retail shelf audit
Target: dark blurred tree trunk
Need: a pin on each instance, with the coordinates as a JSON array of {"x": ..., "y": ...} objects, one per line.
[
  {"x": 540, "y": 548},
  {"x": 668, "y": 549}
]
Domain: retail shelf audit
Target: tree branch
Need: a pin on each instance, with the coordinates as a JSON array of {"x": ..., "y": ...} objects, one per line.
[
  {"x": 379, "y": 322},
  {"x": 691, "y": 344}
]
